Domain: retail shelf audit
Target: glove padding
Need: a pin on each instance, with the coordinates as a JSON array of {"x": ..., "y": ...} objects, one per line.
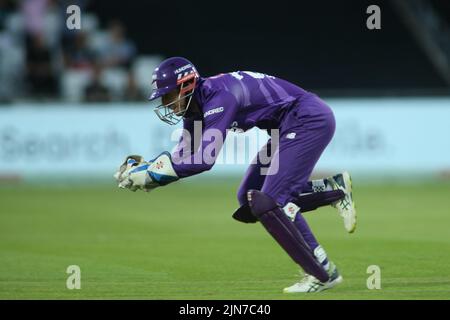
[
  {"x": 136, "y": 174},
  {"x": 121, "y": 175},
  {"x": 137, "y": 159}
]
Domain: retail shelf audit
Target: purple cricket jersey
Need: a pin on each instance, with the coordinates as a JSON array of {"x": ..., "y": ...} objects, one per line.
[{"x": 241, "y": 99}]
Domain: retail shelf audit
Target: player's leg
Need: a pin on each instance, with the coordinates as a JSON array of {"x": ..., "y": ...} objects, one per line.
[
  {"x": 253, "y": 179},
  {"x": 305, "y": 135},
  {"x": 314, "y": 194},
  {"x": 273, "y": 218},
  {"x": 292, "y": 164},
  {"x": 281, "y": 228},
  {"x": 309, "y": 201},
  {"x": 305, "y": 201},
  {"x": 335, "y": 190}
]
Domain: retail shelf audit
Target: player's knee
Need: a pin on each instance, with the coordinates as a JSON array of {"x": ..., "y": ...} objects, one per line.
[
  {"x": 260, "y": 203},
  {"x": 275, "y": 194}
]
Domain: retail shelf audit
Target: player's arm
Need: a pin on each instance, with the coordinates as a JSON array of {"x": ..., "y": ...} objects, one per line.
[
  {"x": 219, "y": 113},
  {"x": 187, "y": 144},
  {"x": 137, "y": 174}
]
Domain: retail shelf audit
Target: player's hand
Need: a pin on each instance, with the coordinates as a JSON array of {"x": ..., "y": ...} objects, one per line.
[
  {"x": 130, "y": 161},
  {"x": 136, "y": 177},
  {"x": 132, "y": 180},
  {"x": 136, "y": 174}
]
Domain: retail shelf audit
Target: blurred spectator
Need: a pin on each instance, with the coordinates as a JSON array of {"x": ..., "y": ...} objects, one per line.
[
  {"x": 12, "y": 55},
  {"x": 54, "y": 22},
  {"x": 96, "y": 91},
  {"x": 39, "y": 72},
  {"x": 34, "y": 11},
  {"x": 77, "y": 54},
  {"x": 3, "y": 14},
  {"x": 132, "y": 91},
  {"x": 6, "y": 8},
  {"x": 118, "y": 51},
  {"x": 38, "y": 53}
]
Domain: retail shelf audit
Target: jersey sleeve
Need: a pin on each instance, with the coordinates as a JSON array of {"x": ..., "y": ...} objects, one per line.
[
  {"x": 186, "y": 144},
  {"x": 218, "y": 114}
]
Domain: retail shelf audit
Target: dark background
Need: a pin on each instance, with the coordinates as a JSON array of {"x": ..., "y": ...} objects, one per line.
[{"x": 321, "y": 45}]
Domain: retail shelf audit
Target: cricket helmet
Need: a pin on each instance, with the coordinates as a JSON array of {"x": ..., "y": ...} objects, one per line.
[{"x": 173, "y": 73}]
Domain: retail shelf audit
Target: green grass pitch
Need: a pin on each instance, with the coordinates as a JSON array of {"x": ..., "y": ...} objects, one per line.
[{"x": 180, "y": 242}]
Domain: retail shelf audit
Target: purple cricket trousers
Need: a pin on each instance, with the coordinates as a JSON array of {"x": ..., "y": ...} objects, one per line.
[{"x": 305, "y": 131}]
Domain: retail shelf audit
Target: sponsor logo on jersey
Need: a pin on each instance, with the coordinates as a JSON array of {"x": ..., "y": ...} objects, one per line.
[
  {"x": 212, "y": 111},
  {"x": 291, "y": 135}
]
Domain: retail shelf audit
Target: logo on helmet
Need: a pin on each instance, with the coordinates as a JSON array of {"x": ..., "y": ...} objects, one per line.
[
  {"x": 181, "y": 69},
  {"x": 186, "y": 76}
]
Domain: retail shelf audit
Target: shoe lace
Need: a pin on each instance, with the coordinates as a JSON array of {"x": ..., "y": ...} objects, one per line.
[{"x": 344, "y": 202}]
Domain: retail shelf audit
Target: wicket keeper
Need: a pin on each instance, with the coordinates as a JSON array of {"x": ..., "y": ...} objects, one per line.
[{"x": 276, "y": 199}]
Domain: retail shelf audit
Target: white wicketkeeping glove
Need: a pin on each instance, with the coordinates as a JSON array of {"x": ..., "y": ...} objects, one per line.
[
  {"x": 137, "y": 174},
  {"x": 130, "y": 161}
]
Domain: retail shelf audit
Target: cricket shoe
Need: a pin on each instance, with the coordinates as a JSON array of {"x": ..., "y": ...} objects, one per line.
[
  {"x": 345, "y": 206},
  {"x": 310, "y": 284}
]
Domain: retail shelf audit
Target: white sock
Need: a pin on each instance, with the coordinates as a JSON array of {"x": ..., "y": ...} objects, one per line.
[{"x": 321, "y": 256}]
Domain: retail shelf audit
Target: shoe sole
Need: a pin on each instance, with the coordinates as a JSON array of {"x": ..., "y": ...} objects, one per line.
[
  {"x": 330, "y": 285},
  {"x": 348, "y": 183}
]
